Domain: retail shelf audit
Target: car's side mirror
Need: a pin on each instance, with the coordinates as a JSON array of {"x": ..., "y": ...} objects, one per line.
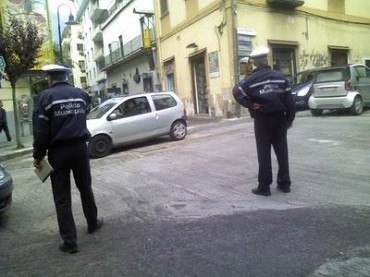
[{"x": 112, "y": 116}]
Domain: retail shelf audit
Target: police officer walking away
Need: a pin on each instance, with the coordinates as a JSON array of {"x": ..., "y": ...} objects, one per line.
[
  {"x": 266, "y": 94},
  {"x": 62, "y": 133}
]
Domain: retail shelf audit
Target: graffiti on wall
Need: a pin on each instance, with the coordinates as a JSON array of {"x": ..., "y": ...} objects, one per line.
[{"x": 312, "y": 59}]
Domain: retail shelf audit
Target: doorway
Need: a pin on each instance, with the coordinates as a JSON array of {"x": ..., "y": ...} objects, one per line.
[{"x": 199, "y": 85}]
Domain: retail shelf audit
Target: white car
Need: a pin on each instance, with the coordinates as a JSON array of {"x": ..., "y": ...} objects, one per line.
[
  {"x": 342, "y": 87},
  {"x": 134, "y": 118}
]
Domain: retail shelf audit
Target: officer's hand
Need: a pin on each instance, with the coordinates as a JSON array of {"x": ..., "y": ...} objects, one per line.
[
  {"x": 256, "y": 106},
  {"x": 37, "y": 163}
]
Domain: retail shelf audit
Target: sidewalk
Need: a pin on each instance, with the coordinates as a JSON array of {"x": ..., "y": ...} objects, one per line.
[{"x": 8, "y": 150}]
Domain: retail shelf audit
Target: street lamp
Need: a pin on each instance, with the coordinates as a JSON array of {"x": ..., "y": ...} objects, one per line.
[{"x": 70, "y": 21}]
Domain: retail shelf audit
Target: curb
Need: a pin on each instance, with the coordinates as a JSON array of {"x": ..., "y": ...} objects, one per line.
[{"x": 16, "y": 153}]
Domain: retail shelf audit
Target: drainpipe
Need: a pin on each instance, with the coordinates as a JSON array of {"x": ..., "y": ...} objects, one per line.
[{"x": 233, "y": 9}]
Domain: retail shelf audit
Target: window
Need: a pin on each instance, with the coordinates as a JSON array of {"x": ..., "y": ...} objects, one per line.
[
  {"x": 164, "y": 7},
  {"x": 162, "y": 102},
  {"x": 360, "y": 72},
  {"x": 284, "y": 61},
  {"x": 338, "y": 57},
  {"x": 132, "y": 107},
  {"x": 120, "y": 39},
  {"x": 331, "y": 76},
  {"x": 81, "y": 65},
  {"x": 83, "y": 81}
]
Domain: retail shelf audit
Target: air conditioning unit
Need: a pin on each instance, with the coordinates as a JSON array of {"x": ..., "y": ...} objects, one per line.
[{"x": 291, "y": 4}]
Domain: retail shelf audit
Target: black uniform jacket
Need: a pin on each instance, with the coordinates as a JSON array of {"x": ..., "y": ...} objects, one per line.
[
  {"x": 61, "y": 118},
  {"x": 270, "y": 89}
]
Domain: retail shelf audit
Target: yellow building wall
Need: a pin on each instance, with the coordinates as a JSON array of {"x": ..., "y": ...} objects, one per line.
[
  {"x": 314, "y": 27},
  {"x": 204, "y": 33},
  {"x": 310, "y": 30}
]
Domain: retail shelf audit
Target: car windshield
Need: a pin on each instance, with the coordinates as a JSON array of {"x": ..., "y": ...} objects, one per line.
[
  {"x": 331, "y": 76},
  {"x": 100, "y": 110}
]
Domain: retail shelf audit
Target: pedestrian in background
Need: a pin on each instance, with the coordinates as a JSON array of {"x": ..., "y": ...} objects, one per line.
[
  {"x": 267, "y": 95},
  {"x": 62, "y": 134},
  {"x": 3, "y": 122}
]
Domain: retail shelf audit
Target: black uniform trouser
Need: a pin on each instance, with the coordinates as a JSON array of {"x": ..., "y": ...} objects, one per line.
[
  {"x": 6, "y": 130},
  {"x": 271, "y": 129},
  {"x": 64, "y": 159}
]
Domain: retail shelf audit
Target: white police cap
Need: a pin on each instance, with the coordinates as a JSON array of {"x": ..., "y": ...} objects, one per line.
[
  {"x": 54, "y": 68},
  {"x": 260, "y": 52}
]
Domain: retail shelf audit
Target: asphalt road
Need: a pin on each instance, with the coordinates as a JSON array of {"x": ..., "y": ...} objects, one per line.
[{"x": 185, "y": 208}]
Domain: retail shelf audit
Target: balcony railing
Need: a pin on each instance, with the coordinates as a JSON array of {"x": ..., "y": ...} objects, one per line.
[{"x": 120, "y": 53}]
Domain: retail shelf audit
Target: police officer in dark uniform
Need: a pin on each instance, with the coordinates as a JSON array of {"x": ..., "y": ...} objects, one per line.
[
  {"x": 266, "y": 93},
  {"x": 61, "y": 132}
]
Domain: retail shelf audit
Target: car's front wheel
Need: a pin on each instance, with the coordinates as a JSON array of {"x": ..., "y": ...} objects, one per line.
[
  {"x": 100, "y": 146},
  {"x": 178, "y": 130},
  {"x": 316, "y": 112},
  {"x": 357, "y": 106}
]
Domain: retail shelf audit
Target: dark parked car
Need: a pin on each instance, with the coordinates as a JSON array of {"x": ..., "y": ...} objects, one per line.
[
  {"x": 302, "y": 88},
  {"x": 6, "y": 189}
]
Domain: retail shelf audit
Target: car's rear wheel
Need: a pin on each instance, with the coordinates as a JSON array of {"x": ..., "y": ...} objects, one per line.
[
  {"x": 316, "y": 112},
  {"x": 178, "y": 130},
  {"x": 100, "y": 146},
  {"x": 357, "y": 106}
]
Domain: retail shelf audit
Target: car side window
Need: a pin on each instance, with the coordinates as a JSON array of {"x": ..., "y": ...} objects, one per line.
[
  {"x": 360, "y": 72},
  {"x": 162, "y": 102},
  {"x": 142, "y": 105},
  {"x": 132, "y": 107}
]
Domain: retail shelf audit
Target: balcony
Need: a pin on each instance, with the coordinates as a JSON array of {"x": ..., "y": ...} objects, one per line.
[
  {"x": 98, "y": 13},
  {"x": 97, "y": 34},
  {"x": 286, "y": 4},
  {"x": 98, "y": 54}
]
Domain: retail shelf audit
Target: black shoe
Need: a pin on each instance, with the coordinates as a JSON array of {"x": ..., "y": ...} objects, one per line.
[
  {"x": 261, "y": 192},
  {"x": 68, "y": 247},
  {"x": 283, "y": 189},
  {"x": 99, "y": 223}
]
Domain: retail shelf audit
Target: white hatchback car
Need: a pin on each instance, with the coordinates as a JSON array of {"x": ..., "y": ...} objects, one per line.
[
  {"x": 341, "y": 87},
  {"x": 134, "y": 118}
]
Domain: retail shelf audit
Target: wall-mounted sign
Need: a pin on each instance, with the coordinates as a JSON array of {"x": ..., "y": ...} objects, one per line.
[{"x": 214, "y": 68}]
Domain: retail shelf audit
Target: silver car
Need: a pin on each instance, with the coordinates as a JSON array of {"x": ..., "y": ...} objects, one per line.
[
  {"x": 6, "y": 189},
  {"x": 342, "y": 87},
  {"x": 135, "y": 118}
]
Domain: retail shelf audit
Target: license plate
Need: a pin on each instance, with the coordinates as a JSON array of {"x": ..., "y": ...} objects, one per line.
[{"x": 328, "y": 89}]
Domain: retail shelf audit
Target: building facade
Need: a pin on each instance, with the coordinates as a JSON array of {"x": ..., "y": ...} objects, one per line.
[
  {"x": 203, "y": 45},
  {"x": 118, "y": 60},
  {"x": 73, "y": 44}
]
